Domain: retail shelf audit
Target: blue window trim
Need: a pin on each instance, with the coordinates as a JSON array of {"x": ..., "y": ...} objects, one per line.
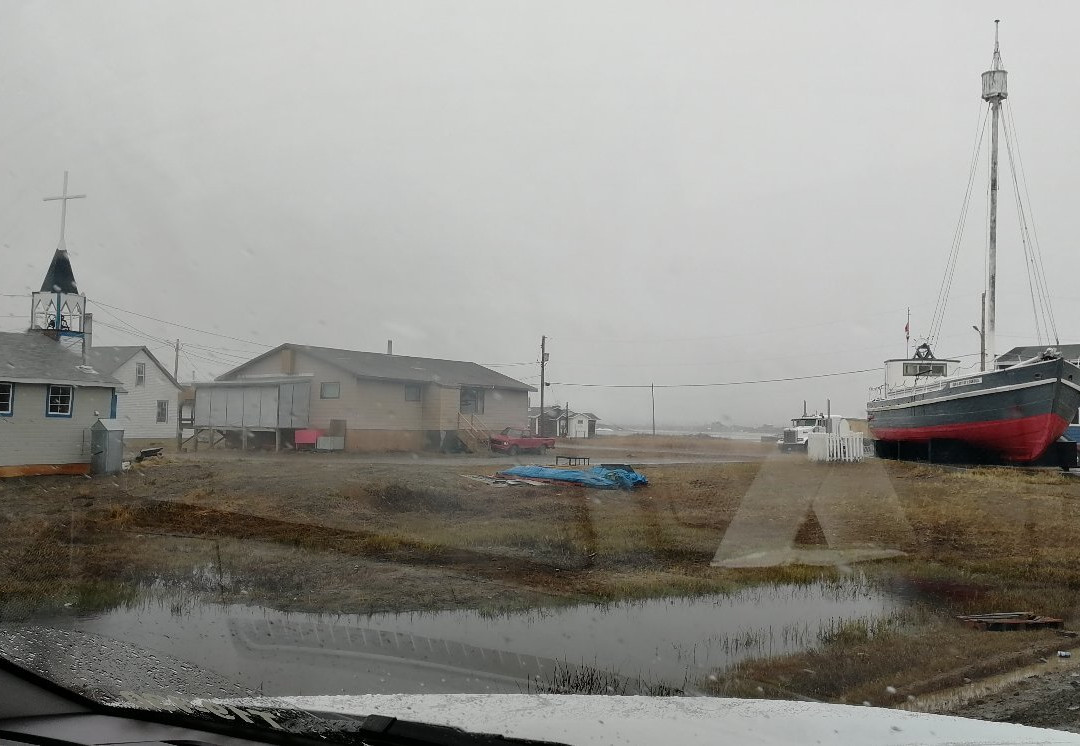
[
  {"x": 11, "y": 399},
  {"x": 71, "y": 403}
]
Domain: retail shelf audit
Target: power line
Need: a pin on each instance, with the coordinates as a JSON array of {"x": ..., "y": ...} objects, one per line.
[
  {"x": 136, "y": 333},
  {"x": 127, "y": 324},
  {"x": 182, "y": 326},
  {"x": 195, "y": 367},
  {"x": 217, "y": 351},
  {"x": 721, "y": 383},
  {"x": 230, "y": 351},
  {"x": 207, "y": 359}
]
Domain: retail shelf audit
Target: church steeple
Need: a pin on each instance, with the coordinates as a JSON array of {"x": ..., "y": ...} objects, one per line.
[
  {"x": 59, "y": 308},
  {"x": 60, "y": 277}
]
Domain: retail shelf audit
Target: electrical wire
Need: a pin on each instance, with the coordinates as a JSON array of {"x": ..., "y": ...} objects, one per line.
[
  {"x": 721, "y": 383},
  {"x": 137, "y": 334},
  {"x": 182, "y": 326}
]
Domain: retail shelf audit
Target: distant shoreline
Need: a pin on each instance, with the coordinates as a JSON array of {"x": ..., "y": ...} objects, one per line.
[{"x": 726, "y": 434}]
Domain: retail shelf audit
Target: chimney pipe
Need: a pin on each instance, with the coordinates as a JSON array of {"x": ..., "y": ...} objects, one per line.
[
  {"x": 389, "y": 347},
  {"x": 88, "y": 336}
]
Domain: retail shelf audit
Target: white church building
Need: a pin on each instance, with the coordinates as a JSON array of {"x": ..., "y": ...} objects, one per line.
[
  {"x": 54, "y": 384},
  {"x": 49, "y": 396}
]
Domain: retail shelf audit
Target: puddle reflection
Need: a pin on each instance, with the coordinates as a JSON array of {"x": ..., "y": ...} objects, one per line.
[{"x": 658, "y": 645}]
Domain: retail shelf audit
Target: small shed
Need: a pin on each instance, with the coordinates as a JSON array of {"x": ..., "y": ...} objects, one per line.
[{"x": 106, "y": 447}]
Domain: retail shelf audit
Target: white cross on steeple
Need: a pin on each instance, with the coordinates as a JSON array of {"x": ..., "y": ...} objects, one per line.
[{"x": 63, "y": 209}]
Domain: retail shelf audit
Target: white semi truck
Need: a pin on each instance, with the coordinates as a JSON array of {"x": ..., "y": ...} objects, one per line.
[{"x": 795, "y": 437}]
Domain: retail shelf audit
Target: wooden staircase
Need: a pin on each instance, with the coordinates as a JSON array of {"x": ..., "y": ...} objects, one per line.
[{"x": 473, "y": 434}]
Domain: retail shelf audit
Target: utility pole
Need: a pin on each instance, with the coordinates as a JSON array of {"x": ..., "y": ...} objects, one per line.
[
  {"x": 652, "y": 394},
  {"x": 543, "y": 362},
  {"x": 176, "y": 361}
]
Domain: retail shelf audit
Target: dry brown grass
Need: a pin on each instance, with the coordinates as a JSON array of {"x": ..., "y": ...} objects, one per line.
[
  {"x": 347, "y": 536},
  {"x": 686, "y": 444},
  {"x": 984, "y": 540},
  {"x": 886, "y": 666}
]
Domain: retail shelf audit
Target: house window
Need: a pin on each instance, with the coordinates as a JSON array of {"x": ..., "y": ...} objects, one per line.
[
  {"x": 163, "y": 410},
  {"x": 330, "y": 390},
  {"x": 7, "y": 398},
  {"x": 412, "y": 392},
  {"x": 59, "y": 403},
  {"x": 924, "y": 369},
  {"x": 472, "y": 401},
  {"x": 140, "y": 374}
]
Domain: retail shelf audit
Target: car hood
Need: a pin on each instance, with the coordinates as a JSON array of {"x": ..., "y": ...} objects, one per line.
[{"x": 586, "y": 719}]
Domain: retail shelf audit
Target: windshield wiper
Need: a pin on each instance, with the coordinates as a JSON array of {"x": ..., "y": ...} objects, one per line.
[{"x": 71, "y": 718}]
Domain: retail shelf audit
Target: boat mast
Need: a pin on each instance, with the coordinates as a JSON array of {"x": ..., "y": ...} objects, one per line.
[{"x": 994, "y": 91}]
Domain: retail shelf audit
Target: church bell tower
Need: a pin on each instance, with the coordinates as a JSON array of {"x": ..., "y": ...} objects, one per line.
[{"x": 59, "y": 309}]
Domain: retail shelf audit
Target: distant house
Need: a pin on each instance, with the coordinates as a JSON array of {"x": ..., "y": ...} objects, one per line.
[
  {"x": 375, "y": 401},
  {"x": 48, "y": 401},
  {"x": 1019, "y": 354},
  {"x": 556, "y": 424},
  {"x": 147, "y": 411}
]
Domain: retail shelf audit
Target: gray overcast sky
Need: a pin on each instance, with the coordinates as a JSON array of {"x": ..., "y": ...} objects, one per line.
[{"x": 682, "y": 192}]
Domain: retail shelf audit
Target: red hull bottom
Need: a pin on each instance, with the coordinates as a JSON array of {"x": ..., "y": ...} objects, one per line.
[{"x": 1021, "y": 439}]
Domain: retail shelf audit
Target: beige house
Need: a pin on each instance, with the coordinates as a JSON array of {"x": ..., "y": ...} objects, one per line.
[{"x": 378, "y": 402}]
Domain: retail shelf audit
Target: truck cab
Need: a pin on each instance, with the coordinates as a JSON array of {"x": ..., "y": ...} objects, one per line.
[{"x": 796, "y": 437}]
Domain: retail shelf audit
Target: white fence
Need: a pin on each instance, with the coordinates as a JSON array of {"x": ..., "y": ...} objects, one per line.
[{"x": 835, "y": 447}]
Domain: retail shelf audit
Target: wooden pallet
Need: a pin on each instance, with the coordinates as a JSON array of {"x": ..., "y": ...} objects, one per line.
[{"x": 1008, "y": 621}]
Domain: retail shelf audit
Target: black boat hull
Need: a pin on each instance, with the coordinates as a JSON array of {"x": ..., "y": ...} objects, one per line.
[{"x": 1014, "y": 413}]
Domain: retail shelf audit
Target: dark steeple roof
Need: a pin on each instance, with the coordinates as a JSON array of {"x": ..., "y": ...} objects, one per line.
[{"x": 60, "y": 277}]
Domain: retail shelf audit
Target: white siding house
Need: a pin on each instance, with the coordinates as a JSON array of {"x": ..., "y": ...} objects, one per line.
[
  {"x": 147, "y": 411},
  {"x": 579, "y": 426},
  {"x": 556, "y": 424},
  {"x": 386, "y": 402},
  {"x": 48, "y": 401}
]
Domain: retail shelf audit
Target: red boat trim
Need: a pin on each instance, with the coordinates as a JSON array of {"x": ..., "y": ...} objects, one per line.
[{"x": 1020, "y": 439}]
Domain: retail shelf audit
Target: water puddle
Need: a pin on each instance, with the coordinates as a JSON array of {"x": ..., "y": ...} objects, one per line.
[{"x": 627, "y": 647}]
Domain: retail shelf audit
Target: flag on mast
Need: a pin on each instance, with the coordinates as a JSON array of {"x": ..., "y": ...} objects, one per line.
[{"x": 907, "y": 333}]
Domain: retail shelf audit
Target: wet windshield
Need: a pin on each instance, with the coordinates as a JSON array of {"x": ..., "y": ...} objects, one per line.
[{"x": 353, "y": 349}]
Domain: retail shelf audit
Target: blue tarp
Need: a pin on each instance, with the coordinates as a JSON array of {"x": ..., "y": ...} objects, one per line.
[{"x": 597, "y": 476}]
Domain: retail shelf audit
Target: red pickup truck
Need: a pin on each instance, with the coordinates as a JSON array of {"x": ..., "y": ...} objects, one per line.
[{"x": 513, "y": 440}]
